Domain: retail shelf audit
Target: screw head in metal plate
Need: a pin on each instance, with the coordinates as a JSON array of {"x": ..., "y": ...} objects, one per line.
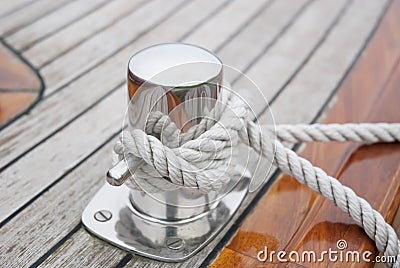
[
  {"x": 103, "y": 215},
  {"x": 174, "y": 243}
]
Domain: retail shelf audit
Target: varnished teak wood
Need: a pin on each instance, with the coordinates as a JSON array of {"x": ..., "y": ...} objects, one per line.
[{"x": 19, "y": 86}]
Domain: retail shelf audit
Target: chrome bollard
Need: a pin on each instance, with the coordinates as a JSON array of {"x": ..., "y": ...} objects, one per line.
[
  {"x": 182, "y": 81},
  {"x": 185, "y": 86}
]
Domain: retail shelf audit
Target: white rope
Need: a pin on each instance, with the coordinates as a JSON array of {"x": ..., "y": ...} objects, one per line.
[
  {"x": 364, "y": 132},
  {"x": 198, "y": 157}
]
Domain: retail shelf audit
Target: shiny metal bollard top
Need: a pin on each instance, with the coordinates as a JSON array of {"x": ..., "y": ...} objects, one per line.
[{"x": 182, "y": 81}]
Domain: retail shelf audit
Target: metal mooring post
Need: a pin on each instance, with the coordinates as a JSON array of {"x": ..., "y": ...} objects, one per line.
[{"x": 165, "y": 223}]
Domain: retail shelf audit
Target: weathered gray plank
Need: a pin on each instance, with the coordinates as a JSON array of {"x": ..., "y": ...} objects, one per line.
[
  {"x": 221, "y": 27},
  {"x": 10, "y": 6},
  {"x": 289, "y": 52},
  {"x": 27, "y": 14},
  {"x": 52, "y": 22},
  {"x": 49, "y": 161},
  {"x": 259, "y": 34},
  {"x": 58, "y": 43},
  {"x": 33, "y": 232},
  {"x": 95, "y": 253},
  {"x": 104, "y": 44},
  {"x": 345, "y": 40}
]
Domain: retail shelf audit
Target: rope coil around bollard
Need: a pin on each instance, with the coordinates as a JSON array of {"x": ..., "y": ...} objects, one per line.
[{"x": 177, "y": 157}]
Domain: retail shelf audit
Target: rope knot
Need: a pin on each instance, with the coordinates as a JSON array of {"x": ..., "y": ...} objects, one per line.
[{"x": 188, "y": 158}]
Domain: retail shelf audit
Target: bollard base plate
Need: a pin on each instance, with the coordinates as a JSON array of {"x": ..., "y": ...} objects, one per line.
[{"x": 111, "y": 216}]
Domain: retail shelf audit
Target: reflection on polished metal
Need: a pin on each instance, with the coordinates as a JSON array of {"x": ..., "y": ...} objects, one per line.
[
  {"x": 182, "y": 81},
  {"x": 129, "y": 230},
  {"x": 119, "y": 173}
]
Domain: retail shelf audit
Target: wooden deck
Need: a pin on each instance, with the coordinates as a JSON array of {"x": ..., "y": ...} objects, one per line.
[{"x": 330, "y": 60}]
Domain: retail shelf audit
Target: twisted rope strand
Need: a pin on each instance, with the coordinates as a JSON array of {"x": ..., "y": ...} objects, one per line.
[
  {"x": 342, "y": 196},
  {"x": 363, "y": 132}
]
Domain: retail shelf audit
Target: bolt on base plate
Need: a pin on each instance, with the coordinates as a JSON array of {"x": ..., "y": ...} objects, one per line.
[{"x": 111, "y": 216}]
